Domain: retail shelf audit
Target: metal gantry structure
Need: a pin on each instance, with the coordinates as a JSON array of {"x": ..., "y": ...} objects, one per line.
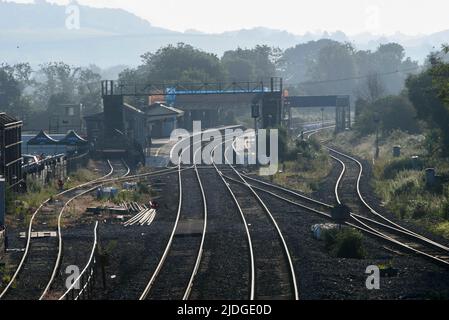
[
  {"x": 124, "y": 88},
  {"x": 341, "y": 103}
]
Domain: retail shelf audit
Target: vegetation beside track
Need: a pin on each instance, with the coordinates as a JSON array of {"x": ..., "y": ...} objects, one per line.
[
  {"x": 304, "y": 164},
  {"x": 400, "y": 182},
  {"x": 20, "y": 207},
  {"x": 345, "y": 243}
]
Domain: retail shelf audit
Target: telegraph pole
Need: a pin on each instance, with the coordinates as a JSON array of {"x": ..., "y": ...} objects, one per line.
[{"x": 377, "y": 121}]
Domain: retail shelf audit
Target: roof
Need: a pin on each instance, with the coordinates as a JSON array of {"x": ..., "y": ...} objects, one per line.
[
  {"x": 72, "y": 139},
  {"x": 131, "y": 108},
  {"x": 6, "y": 120},
  {"x": 42, "y": 138},
  {"x": 161, "y": 110}
]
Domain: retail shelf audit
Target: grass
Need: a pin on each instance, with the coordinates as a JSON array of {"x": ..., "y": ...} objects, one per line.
[
  {"x": 442, "y": 229},
  {"x": 345, "y": 243},
  {"x": 20, "y": 207},
  {"x": 81, "y": 176},
  {"x": 307, "y": 171},
  {"x": 400, "y": 182}
]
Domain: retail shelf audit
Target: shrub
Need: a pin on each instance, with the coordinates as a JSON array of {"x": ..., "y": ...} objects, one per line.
[
  {"x": 396, "y": 166},
  {"x": 445, "y": 209},
  {"x": 345, "y": 243}
]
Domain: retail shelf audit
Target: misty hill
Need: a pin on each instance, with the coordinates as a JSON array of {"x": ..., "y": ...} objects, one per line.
[
  {"x": 43, "y": 15},
  {"x": 36, "y": 33}
]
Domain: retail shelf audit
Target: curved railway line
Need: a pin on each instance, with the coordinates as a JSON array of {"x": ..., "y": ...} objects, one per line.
[
  {"x": 268, "y": 271},
  {"x": 375, "y": 225},
  {"x": 273, "y": 275},
  {"x": 121, "y": 174},
  {"x": 34, "y": 275},
  {"x": 33, "y": 269},
  {"x": 178, "y": 251},
  {"x": 265, "y": 271}
]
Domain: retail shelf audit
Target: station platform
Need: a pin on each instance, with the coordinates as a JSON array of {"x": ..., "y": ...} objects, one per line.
[{"x": 159, "y": 154}]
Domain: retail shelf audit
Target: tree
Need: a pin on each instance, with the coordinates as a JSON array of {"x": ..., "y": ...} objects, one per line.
[
  {"x": 372, "y": 89},
  {"x": 393, "y": 112},
  {"x": 13, "y": 81},
  {"x": 428, "y": 92},
  {"x": 250, "y": 64},
  {"x": 89, "y": 91},
  {"x": 295, "y": 61},
  {"x": 179, "y": 62},
  {"x": 9, "y": 91},
  {"x": 59, "y": 83},
  {"x": 335, "y": 61}
]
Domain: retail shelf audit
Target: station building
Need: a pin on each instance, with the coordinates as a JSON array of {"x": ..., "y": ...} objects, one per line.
[{"x": 11, "y": 150}]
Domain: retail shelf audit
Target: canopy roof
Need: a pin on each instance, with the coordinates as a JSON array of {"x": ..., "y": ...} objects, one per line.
[
  {"x": 159, "y": 111},
  {"x": 42, "y": 139},
  {"x": 73, "y": 139}
]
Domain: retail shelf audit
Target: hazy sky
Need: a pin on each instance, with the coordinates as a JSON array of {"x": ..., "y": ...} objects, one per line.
[{"x": 297, "y": 16}]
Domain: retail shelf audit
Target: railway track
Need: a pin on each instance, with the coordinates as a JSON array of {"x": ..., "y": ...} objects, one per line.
[
  {"x": 272, "y": 271},
  {"x": 162, "y": 285},
  {"x": 34, "y": 269},
  {"x": 66, "y": 254},
  {"x": 159, "y": 285},
  {"x": 348, "y": 185},
  {"x": 227, "y": 261},
  {"x": 174, "y": 275},
  {"x": 42, "y": 255},
  {"x": 367, "y": 219}
]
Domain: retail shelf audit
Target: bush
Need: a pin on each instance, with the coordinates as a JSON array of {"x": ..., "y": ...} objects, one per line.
[
  {"x": 345, "y": 243},
  {"x": 445, "y": 209},
  {"x": 392, "y": 169},
  {"x": 421, "y": 210}
]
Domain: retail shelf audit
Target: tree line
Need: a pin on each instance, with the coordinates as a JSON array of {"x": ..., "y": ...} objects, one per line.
[{"x": 382, "y": 82}]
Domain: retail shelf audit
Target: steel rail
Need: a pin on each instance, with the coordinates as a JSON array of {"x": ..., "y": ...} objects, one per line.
[
  {"x": 273, "y": 221},
  {"x": 60, "y": 241},
  {"x": 248, "y": 234},
  {"x": 89, "y": 262},
  {"x": 389, "y": 238},
  {"x": 30, "y": 225},
  {"x": 374, "y": 212},
  {"x": 203, "y": 236},
  {"x": 166, "y": 252}
]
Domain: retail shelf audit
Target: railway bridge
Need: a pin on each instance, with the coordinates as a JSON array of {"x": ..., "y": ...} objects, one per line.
[
  {"x": 199, "y": 101},
  {"x": 207, "y": 101}
]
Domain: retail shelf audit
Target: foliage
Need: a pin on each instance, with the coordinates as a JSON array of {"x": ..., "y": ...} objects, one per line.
[
  {"x": 182, "y": 63},
  {"x": 250, "y": 64},
  {"x": 429, "y": 94},
  {"x": 305, "y": 165},
  {"x": 392, "y": 113},
  {"x": 11, "y": 90},
  {"x": 345, "y": 243},
  {"x": 329, "y": 67},
  {"x": 404, "y": 164},
  {"x": 442, "y": 229},
  {"x": 30, "y": 94}
]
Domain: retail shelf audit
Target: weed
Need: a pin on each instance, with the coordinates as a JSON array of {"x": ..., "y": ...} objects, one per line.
[{"x": 345, "y": 243}]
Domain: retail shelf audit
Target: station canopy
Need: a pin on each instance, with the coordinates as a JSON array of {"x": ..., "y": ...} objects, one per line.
[
  {"x": 41, "y": 139},
  {"x": 73, "y": 139}
]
